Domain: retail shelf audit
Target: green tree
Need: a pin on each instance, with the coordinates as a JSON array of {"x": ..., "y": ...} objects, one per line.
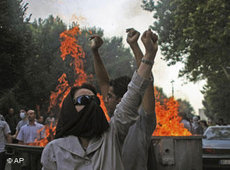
[
  {"x": 216, "y": 98},
  {"x": 197, "y": 34},
  {"x": 44, "y": 66},
  {"x": 185, "y": 109},
  {"x": 15, "y": 39}
]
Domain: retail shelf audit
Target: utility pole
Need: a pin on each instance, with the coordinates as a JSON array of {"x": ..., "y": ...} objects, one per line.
[{"x": 172, "y": 88}]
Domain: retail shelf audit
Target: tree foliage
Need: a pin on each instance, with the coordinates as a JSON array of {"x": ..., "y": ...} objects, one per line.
[
  {"x": 217, "y": 98},
  {"x": 14, "y": 39},
  {"x": 197, "y": 34},
  {"x": 31, "y": 62},
  {"x": 185, "y": 109}
]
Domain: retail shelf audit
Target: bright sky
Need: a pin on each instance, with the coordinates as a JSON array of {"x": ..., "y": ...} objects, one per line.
[{"x": 114, "y": 16}]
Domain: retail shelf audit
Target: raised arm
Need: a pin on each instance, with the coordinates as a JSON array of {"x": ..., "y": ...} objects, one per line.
[
  {"x": 101, "y": 73},
  {"x": 126, "y": 111},
  {"x": 131, "y": 39},
  {"x": 149, "y": 98},
  {"x": 150, "y": 42}
]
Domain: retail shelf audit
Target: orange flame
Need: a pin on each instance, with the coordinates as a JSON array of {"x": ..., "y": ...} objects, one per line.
[
  {"x": 168, "y": 121},
  {"x": 103, "y": 107},
  {"x": 49, "y": 133},
  {"x": 69, "y": 46}
]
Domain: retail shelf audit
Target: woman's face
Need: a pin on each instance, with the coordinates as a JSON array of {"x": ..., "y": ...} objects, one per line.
[{"x": 81, "y": 92}]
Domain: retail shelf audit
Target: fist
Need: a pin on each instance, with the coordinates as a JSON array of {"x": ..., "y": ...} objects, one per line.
[
  {"x": 96, "y": 42},
  {"x": 149, "y": 40},
  {"x": 132, "y": 35}
]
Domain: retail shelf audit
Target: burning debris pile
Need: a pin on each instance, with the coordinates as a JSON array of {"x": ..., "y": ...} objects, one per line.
[{"x": 168, "y": 121}]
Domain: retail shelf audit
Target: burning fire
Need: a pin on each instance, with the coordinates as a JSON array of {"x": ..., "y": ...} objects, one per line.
[
  {"x": 49, "y": 133},
  {"x": 69, "y": 47},
  {"x": 168, "y": 121},
  {"x": 103, "y": 107}
]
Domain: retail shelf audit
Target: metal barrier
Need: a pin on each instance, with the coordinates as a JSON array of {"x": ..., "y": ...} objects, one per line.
[
  {"x": 177, "y": 152},
  {"x": 24, "y": 157}
]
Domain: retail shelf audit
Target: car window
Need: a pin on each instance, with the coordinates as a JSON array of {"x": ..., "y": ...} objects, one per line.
[{"x": 222, "y": 133}]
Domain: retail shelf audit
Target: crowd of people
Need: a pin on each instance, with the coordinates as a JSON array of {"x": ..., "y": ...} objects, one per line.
[
  {"x": 21, "y": 128},
  {"x": 197, "y": 126}
]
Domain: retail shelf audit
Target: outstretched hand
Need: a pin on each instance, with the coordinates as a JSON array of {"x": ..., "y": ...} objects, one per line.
[
  {"x": 132, "y": 35},
  {"x": 149, "y": 40},
  {"x": 96, "y": 42}
]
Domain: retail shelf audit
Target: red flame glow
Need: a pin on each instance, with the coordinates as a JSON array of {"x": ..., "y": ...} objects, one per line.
[
  {"x": 49, "y": 133},
  {"x": 69, "y": 47},
  {"x": 168, "y": 121}
]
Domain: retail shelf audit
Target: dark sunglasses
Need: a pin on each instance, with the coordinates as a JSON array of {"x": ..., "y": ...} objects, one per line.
[{"x": 86, "y": 99}]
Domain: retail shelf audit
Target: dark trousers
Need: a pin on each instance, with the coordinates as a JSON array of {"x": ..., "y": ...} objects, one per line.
[{"x": 2, "y": 160}]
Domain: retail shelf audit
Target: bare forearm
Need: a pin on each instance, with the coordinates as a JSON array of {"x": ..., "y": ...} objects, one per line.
[
  {"x": 144, "y": 69},
  {"x": 8, "y": 138},
  {"x": 101, "y": 73},
  {"x": 137, "y": 53},
  {"x": 148, "y": 99}
]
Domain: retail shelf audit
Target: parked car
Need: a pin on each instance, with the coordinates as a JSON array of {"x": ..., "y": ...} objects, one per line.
[{"x": 216, "y": 148}]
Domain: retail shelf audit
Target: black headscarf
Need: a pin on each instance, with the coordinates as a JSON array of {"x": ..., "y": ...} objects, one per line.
[{"x": 89, "y": 122}]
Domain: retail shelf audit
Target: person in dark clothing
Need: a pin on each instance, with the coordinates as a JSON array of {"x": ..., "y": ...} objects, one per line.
[{"x": 11, "y": 120}]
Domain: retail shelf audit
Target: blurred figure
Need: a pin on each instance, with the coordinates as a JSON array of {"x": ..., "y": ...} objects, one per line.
[
  {"x": 185, "y": 121},
  {"x": 50, "y": 119},
  {"x": 204, "y": 125},
  {"x": 41, "y": 120},
  {"x": 210, "y": 122},
  {"x": 196, "y": 127},
  {"x": 220, "y": 122},
  {"x": 4, "y": 137},
  {"x": 22, "y": 122},
  {"x": 31, "y": 131},
  {"x": 11, "y": 120},
  {"x": 2, "y": 117}
]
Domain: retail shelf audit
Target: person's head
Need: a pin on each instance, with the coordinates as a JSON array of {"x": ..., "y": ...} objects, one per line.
[
  {"x": 41, "y": 119},
  {"x": 118, "y": 87},
  {"x": 11, "y": 111},
  {"x": 84, "y": 90},
  {"x": 210, "y": 122},
  {"x": 203, "y": 123},
  {"x": 1, "y": 117},
  {"x": 81, "y": 114},
  {"x": 22, "y": 114},
  {"x": 195, "y": 120},
  {"x": 31, "y": 115},
  {"x": 183, "y": 115},
  {"x": 220, "y": 122}
]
